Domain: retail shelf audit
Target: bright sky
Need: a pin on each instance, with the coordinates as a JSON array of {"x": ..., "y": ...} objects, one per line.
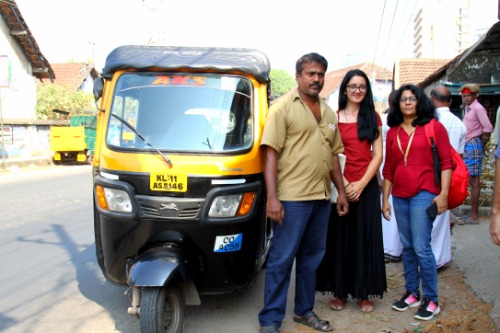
[{"x": 376, "y": 30}]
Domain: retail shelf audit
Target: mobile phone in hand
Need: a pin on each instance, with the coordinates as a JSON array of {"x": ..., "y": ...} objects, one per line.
[{"x": 432, "y": 211}]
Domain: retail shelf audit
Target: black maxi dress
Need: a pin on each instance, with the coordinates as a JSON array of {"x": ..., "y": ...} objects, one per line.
[{"x": 354, "y": 263}]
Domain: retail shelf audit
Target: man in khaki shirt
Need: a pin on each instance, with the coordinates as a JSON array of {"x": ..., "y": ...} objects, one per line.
[{"x": 301, "y": 143}]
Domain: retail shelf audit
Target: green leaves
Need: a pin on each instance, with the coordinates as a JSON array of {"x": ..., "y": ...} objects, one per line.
[
  {"x": 281, "y": 82},
  {"x": 55, "y": 96}
]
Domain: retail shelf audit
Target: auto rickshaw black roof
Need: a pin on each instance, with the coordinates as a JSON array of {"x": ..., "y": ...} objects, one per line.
[{"x": 249, "y": 61}]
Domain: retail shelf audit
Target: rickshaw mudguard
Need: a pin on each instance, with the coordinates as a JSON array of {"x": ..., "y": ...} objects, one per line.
[{"x": 157, "y": 268}]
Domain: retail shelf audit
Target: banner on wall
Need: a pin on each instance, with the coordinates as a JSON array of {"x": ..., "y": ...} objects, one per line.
[
  {"x": 5, "y": 71},
  {"x": 6, "y": 135}
]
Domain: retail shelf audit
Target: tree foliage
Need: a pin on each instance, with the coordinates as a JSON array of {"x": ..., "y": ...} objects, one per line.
[
  {"x": 55, "y": 96},
  {"x": 281, "y": 82}
]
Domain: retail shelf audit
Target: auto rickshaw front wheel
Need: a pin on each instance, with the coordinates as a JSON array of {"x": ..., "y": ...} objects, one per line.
[{"x": 161, "y": 310}]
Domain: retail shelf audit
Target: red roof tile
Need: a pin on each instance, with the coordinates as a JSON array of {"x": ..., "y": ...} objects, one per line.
[
  {"x": 71, "y": 75},
  {"x": 333, "y": 79},
  {"x": 415, "y": 70}
]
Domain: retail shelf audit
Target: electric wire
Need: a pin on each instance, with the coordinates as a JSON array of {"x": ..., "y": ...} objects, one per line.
[
  {"x": 402, "y": 14},
  {"x": 390, "y": 30},
  {"x": 378, "y": 37}
]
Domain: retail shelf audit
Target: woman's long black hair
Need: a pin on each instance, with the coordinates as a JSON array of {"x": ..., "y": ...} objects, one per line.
[
  {"x": 367, "y": 120},
  {"x": 425, "y": 107}
]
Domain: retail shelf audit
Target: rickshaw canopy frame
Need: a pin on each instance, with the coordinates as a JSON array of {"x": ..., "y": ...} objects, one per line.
[{"x": 140, "y": 57}]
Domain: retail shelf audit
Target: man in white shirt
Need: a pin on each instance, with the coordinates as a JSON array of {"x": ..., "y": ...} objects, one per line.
[
  {"x": 494, "y": 134},
  {"x": 441, "y": 235}
]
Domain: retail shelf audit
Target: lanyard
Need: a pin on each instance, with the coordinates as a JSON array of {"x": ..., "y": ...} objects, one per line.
[{"x": 405, "y": 154}]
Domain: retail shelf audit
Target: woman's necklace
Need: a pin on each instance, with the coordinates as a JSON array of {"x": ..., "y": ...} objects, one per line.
[
  {"x": 354, "y": 114},
  {"x": 405, "y": 154}
]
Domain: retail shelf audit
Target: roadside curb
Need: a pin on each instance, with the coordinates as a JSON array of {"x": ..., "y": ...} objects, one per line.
[
  {"x": 465, "y": 209},
  {"x": 16, "y": 163}
]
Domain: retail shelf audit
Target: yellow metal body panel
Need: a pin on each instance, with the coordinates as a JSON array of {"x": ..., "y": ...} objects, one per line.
[
  {"x": 67, "y": 139},
  {"x": 202, "y": 165}
]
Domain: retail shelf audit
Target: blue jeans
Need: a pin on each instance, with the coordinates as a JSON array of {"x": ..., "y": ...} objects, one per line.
[
  {"x": 301, "y": 236},
  {"x": 415, "y": 228}
]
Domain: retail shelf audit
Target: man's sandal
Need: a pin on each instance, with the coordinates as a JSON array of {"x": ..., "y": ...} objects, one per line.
[
  {"x": 338, "y": 303},
  {"x": 311, "y": 320},
  {"x": 269, "y": 329},
  {"x": 468, "y": 220}
]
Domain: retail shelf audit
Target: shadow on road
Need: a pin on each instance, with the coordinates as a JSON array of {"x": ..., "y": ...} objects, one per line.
[
  {"x": 93, "y": 285},
  {"x": 210, "y": 316},
  {"x": 91, "y": 282}
]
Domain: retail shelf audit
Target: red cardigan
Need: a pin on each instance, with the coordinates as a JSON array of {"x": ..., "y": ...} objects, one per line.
[{"x": 418, "y": 175}]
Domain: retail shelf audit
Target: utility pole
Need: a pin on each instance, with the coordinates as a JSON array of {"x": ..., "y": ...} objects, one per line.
[
  {"x": 93, "y": 52},
  {"x": 5, "y": 73},
  {"x": 1, "y": 128}
]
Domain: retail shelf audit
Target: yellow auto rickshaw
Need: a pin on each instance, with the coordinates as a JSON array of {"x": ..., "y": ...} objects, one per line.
[{"x": 179, "y": 193}]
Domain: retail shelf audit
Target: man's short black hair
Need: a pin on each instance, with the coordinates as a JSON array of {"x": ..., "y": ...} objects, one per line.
[
  {"x": 310, "y": 57},
  {"x": 441, "y": 97}
]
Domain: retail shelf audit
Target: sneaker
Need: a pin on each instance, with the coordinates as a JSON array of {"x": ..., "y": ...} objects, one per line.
[
  {"x": 408, "y": 300},
  {"x": 428, "y": 310}
]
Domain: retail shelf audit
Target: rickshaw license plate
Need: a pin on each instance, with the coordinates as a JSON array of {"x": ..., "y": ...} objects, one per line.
[
  {"x": 168, "y": 182},
  {"x": 228, "y": 243}
]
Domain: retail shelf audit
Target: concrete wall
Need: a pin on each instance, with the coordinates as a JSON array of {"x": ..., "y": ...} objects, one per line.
[
  {"x": 26, "y": 140},
  {"x": 18, "y": 100}
]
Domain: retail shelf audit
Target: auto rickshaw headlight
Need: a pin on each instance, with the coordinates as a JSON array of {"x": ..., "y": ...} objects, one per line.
[
  {"x": 225, "y": 205},
  {"x": 232, "y": 205},
  {"x": 113, "y": 199}
]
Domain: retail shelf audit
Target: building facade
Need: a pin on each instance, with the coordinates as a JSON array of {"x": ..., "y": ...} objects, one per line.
[{"x": 442, "y": 28}]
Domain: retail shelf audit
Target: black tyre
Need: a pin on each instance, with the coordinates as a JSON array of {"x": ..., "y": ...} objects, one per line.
[{"x": 162, "y": 310}]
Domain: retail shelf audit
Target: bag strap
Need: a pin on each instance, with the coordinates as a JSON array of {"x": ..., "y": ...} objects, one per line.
[{"x": 430, "y": 136}]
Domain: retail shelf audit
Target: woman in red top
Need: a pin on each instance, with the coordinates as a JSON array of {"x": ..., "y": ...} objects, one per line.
[
  {"x": 353, "y": 264},
  {"x": 409, "y": 172}
]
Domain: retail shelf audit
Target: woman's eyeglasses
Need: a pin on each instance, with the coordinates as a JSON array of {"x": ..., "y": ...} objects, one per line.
[
  {"x": 406, "y": 99},
  {"x": 352, "y": 88}
]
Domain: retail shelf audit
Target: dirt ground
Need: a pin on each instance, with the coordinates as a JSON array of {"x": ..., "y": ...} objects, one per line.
[{"x": 461, "y": 310}]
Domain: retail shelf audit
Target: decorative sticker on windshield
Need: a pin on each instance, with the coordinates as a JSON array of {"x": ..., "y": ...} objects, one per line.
[
  {"x": 177, "y": 80},
  {"x": 168, "y": 182}
]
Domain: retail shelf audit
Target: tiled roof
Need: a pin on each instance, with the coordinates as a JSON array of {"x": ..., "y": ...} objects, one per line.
[
  {"x": 334, "y": 78},
  {"x": 415, "y": 70},
  {"x": 72, "y": 75},
  {"x": 481, "y": 56},
  {"x": 19, "y": 31}
]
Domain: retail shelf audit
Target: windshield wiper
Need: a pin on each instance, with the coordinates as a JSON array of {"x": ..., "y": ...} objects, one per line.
[{"x": 126, "y": 123}]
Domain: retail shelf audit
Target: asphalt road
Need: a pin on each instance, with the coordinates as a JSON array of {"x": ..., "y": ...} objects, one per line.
[{"x": 50, "y": 281}]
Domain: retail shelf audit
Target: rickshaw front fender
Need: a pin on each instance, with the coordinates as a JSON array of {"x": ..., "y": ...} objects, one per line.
[
  {"x": 164, "y": 267},
  {"x": 158, "y": 268}
]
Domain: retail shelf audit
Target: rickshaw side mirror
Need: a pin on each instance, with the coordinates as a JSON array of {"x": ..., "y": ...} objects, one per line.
[{"x": 98, "y": 89}]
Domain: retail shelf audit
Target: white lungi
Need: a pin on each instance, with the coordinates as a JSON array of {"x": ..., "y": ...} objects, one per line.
[{"x": 392, "y": 243}]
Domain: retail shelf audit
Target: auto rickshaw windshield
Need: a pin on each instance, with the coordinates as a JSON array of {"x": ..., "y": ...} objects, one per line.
[{"x": 206, "y": 113}]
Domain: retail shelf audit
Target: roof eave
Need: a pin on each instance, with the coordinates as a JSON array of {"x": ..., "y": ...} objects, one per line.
[{"x": 19, "y": 30}]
